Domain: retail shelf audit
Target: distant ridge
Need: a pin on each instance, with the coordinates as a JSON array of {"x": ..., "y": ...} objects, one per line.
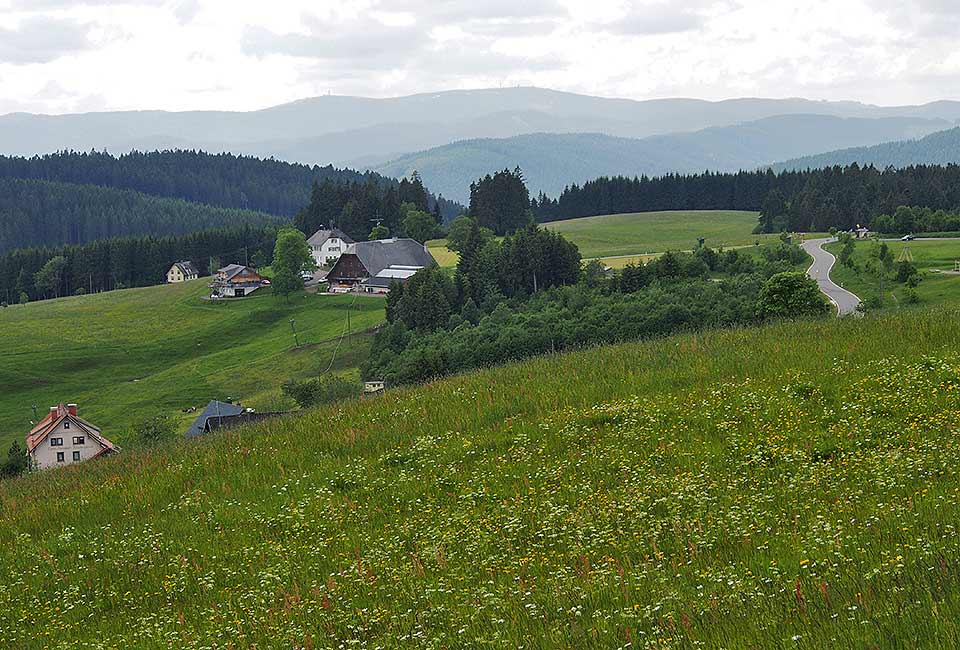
[
  {"x": 551, "y": 161},
  {"x": 940, "y": 148},
  {"x": 341, "y": 130}
]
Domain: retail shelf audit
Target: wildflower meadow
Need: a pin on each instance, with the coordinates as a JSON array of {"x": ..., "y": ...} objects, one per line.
[{"x": 792, "y": 486}]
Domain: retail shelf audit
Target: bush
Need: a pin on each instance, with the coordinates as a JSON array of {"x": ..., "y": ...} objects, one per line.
[
  {"x": 323, "y": 390},
  {"x": 155, "y": 430},
  {"x": 911, "y": 297},
  {"x": 791, "y": 295}
]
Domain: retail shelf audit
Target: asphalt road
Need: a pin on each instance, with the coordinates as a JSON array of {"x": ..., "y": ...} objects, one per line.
[{"x": 843, "y": 300}]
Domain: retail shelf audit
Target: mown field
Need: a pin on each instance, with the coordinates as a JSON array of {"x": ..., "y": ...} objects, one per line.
[
  {"x": 630, "y": 238},
  {"x": 128, "y": 355},
  {"x": 656, "y": 232},
  {"x": 935, "y": 289},
  {"x": 788, "y": 486}
]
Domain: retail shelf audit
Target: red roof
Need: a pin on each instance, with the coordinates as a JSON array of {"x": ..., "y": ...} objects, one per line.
[{"x": 56, "y": 415}]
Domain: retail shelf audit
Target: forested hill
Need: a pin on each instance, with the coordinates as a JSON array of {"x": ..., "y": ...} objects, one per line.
[
  {"x": 940, "y": 148},
  {"x": 223, "y": 180},
  {"x": 810, "y": 200},
  {"x": 46, "y": 213},
  {"x": 551, "y": 161}
]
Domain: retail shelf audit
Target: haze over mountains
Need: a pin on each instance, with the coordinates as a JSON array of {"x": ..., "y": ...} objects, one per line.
[
  {"x": 552, "y": 161},
  {"x": 453, "y": 137},
  {"x": 939, "y": 148}
]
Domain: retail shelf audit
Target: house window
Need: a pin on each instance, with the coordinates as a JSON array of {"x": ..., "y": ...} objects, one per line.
[
  {"x": 76, "y": 455},
  {"x": 56, "y": 442},
  {"x": 79, "y": 440},
  {"x": 66, "y": 425},
  {"x": 59, "y": 456}
]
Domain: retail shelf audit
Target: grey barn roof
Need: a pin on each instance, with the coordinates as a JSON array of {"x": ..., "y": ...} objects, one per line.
[
  {"x": 187, "y": 268},
  {"x": 213, "y": 409},
  {"x": 321, "y": 236},
  {"x": 378, "y": 255}
]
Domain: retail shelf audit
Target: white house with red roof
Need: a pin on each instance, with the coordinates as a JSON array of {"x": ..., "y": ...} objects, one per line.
[{"x": 64, "y": 438}]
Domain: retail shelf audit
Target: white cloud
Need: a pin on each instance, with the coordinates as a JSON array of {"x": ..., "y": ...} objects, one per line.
[
  {"x": 41, "y": 39},
  {"x": 65, "y": 55}
]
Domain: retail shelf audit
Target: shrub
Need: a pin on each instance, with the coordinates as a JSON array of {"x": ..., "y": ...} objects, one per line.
[
  {"x": 790, "y": 295},
  {"x": 155, "y": 430},
  {"x": 323, "y": 390}
]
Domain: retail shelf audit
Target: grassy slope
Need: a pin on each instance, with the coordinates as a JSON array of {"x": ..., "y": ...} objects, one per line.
[
  {"x": 652, "y": 232},
  {"x": 126, "y": 355},
  {"x": 622, "y": 238},
  {"x": 935, "y": 288},
  {"x": 792, "y": 486}
]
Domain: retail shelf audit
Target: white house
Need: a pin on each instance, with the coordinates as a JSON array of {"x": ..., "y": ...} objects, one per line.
[
  {"x": 327, "y": 246},
  {"x": 64, "y": 438},
  {"x": 181, "y": 272}
]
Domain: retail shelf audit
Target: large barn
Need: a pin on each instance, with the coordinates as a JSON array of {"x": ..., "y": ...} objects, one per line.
[{"x": 390, "y": 259}]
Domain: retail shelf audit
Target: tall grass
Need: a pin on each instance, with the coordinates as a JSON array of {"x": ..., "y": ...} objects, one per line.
[{"x": 786, "y": 486}]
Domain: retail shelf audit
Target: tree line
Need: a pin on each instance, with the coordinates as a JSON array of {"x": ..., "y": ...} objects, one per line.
[
  {"x": 47, "y": 213},
  {"x": 41, "y": 272},
  {"x": 435, "y": 328},
  {"x": 362, "y": 208},
  {"x": 225, "y": 180},
  {"x": 809, "y": 200}
]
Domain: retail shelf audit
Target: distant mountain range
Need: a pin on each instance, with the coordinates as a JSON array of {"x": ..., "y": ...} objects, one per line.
[
  {"x": 939, "y": 148},
  {"x": 350, "y": 130},
  {"x": 552, "y": 161}
]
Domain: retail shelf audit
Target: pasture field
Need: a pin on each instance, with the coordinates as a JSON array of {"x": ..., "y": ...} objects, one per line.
[
  {"x": 445, "y": 257},
  {"x": 131, "y": 354},
  {"x": 792, "y": 486},
  {"x": 655, "y": 232},
  {"x": 624, "y": 238},
  {"x": 928, "y": 255}
]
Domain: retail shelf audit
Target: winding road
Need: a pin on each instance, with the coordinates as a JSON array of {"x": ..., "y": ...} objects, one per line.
[{"x": 843, "y": 300}]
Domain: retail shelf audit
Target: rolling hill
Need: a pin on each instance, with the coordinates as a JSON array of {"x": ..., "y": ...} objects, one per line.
[
  {"x": 551, "y": 161},
  {"x": 338, "y": 129},
  {"x": 940, "y": 148},
  {"x": 787, "y": 486},
  {"x": 132, "y": 354}
]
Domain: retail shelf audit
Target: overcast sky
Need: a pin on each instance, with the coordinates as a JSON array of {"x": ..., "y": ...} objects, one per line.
[{"x": 61, "y": 56}]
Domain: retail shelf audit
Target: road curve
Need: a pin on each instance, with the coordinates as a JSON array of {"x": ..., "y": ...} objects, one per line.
[{"x": 843, "y": 300}]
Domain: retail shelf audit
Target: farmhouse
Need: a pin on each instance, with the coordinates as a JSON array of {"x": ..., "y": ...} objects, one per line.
[
  {"x": 181, "y": 272},
  {"x": 224, "y": 415},
  {"x": 378, "y": 263},
  {"x": 63, "y": 438},
  {"x": 235, "y": 281},
  {"x": 326, "y": 246}
]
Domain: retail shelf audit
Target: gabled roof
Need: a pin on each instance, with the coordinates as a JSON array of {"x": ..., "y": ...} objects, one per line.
[
  {"x": 383, "y": 253},
  {"x": 213, "y": 409},
  {"x": 53, "y": 419},
  {"x": 187, "y": 268},
  {"x": 233, "y": 270},
  {"x": 321, "y": 236}
]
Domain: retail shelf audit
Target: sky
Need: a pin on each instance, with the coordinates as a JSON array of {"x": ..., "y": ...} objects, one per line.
[{"x": 62, "y": 56}]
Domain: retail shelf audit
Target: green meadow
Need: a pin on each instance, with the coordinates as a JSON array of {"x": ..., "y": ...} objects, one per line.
[
  {"x": 656, "y": 232},
  {"x": 931, "y": 257},
  {"x": 621, "y": 239},
  {"x": 791, "y": 486},
  {"x": 128, "y": 355}
]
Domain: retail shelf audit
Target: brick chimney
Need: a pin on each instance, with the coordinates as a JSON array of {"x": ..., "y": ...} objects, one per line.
[{"x": 72, "y": 409}]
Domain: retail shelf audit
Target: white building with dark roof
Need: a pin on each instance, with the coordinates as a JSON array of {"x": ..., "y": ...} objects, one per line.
[{"x": 327, "y": 245}]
